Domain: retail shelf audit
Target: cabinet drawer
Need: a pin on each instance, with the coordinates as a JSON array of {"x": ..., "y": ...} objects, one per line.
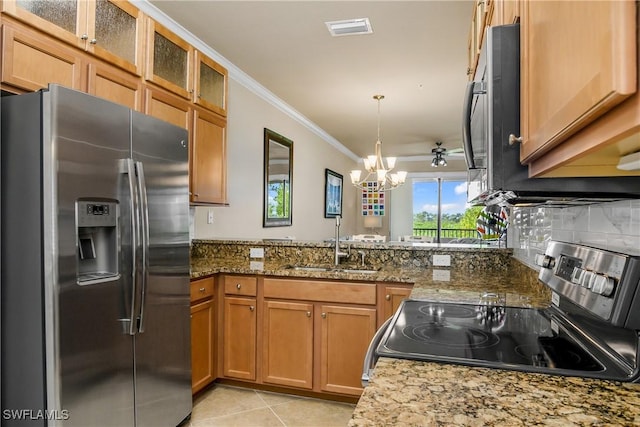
[
  {"x": 201, "y": 289},
  {"x": 315, "y": 290},
  {"x": 240, "y": 285}
]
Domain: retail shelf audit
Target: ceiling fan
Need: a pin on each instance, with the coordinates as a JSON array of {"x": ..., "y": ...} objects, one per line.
[{"x": 439, "y": 152}]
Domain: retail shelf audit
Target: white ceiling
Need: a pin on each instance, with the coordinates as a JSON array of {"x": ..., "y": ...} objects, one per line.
[{"x": 416, "y": 57}]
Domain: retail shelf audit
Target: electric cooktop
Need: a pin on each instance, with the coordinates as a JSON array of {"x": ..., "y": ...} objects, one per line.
[
  {"x": 480, "y": 335},
  {"x": 590, "y": 329}
]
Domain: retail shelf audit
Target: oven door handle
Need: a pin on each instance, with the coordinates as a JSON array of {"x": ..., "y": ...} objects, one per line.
[{"x": 370, "y": 358}]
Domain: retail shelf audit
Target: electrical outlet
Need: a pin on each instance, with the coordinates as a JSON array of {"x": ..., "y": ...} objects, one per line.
[
  {"x": 256, "y": 265},
  {"x": 256, "y": 253},
  {"x": 210, "y": 216},
  {"x": 442, "y": 275},
  {"x": 441, "y": 260}
]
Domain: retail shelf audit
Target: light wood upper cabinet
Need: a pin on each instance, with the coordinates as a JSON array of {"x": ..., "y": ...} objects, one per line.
[
  {"x": 210, "y": 84},
  {"x": 480, "y": 19},
  {"x": 208, "y": 166},
  {"x": 169, "y": 60},
  {"x": 505, "y": 12},
  {"x": 107, "y": 82},
  {"x": 116, "y": 33},
  {"x": 112, "y": 30},
  {"x": 167, "y": 107},
  {"x": 578, "y": 61},
  {"x": 30, "y": 61}
]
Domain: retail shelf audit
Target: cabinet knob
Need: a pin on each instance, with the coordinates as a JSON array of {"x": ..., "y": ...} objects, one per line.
[
  {"x": 238, "y": 286},
  {"x": 324, "y": 315},
  {"x": 93, "y": 41},
  {"x": 514, "y": 139},
  {"x": 251, "y": 308},
  {"x": 202, "y": 290},
  {"x": 84, "y": 37},
  {"x": 308, "y": 314},
  {"x": 388, "y": 297}
]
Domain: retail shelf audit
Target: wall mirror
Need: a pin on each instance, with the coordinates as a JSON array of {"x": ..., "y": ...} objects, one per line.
[{"x": 278, "y": 171}]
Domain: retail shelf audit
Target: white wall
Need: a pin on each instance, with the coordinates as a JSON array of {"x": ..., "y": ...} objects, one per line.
[
  {"x": 401, "y": 211},
  {"x": 248, "y": 115}
]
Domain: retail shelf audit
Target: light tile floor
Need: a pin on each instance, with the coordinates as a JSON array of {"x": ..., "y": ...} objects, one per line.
[{"x": 232, "y": 406}]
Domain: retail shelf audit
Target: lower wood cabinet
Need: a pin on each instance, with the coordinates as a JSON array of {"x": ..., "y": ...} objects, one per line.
[
  {"x": 287, "y": 343},
  {"x": 203, "y": 356},
  {"x": 239, "y": 338},
  {"x": 202, "y": 350},
  {"x": 345, "y": 335},
  {"x": 389, "y": 298},
  {"x": 313, "y": 334}
]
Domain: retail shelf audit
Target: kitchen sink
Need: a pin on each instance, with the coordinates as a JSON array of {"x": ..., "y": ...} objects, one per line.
[{"x": 334, "y": 269}]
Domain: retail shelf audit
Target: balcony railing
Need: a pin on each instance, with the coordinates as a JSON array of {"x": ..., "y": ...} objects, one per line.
[{"x": 446, "y": 233}]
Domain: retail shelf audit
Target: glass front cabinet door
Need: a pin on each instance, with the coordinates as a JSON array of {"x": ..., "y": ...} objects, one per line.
[
  {"x": 109, "y": 29},
  {"x": 210, "y": 84},
  {"x": 168, "y": 60}
]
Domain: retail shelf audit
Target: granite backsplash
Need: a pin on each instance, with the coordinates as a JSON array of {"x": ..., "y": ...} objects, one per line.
[{"x": 375, "y": 255}]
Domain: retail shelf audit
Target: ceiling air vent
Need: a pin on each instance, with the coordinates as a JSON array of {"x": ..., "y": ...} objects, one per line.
[{"x": 349, "y": 27}]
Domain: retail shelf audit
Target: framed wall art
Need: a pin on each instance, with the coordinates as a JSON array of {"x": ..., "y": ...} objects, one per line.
[{"x": 332, "y": 194}]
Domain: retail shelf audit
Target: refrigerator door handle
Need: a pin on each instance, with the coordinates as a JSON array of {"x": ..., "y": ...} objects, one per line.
[
  {"x": 144, "y": 234},
  {"x": 128, "y": 167}
]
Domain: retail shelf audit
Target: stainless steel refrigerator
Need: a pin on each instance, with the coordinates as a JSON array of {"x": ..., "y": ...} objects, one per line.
[{"x": 95, "y": 264}]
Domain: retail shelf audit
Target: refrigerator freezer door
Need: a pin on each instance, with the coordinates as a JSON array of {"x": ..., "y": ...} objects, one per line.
[
  {"x": 89, "y": 139},
  {"x": 163, "y": 355}
]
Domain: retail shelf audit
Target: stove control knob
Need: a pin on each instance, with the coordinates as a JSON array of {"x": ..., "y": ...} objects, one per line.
[
  {"x": 602, "y": 285},
  {"x": 545, "y": 261},
  {"x": 586, "y": 280},
  {"x": 576, "y": 276}
]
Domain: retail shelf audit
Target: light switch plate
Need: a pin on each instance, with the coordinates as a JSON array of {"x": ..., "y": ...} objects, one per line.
[
  {"x": 441, "y": 260},
  {"x": 256, "y": 253}
]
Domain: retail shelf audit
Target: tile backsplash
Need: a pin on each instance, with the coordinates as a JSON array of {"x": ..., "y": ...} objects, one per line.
[{"x": 614, "y": 226}]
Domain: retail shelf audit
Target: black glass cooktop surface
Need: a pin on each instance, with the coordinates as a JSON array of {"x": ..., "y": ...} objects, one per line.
[{"x": 493, "y": 336}]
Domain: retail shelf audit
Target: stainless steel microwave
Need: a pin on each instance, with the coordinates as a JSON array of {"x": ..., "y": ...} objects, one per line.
[{"x": 491, "y": 113}]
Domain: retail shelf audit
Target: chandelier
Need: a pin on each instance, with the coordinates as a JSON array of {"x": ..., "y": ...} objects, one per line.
[
  {"x": 376, "y": 169},
  {"x": 438, "y": 159}
]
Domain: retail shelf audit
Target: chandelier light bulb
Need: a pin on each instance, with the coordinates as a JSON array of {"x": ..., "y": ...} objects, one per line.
[{"x": 391, "y": 162}]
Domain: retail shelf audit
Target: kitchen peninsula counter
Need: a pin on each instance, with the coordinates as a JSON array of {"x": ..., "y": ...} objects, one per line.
[
  {"x": 474, "y": 269},
  {"x": 421, "y": 394}
]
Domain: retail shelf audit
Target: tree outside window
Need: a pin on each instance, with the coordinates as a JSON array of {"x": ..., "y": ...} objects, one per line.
[{"x": 441, "y": 205}]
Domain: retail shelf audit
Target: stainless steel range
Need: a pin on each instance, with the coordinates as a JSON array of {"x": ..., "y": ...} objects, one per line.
[{"x": 589, "y": 330}]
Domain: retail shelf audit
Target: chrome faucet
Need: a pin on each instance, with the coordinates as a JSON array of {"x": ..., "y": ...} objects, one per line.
[{"x": 337, "y": 253}]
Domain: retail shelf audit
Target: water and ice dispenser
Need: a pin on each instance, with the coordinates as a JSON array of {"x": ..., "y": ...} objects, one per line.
[{"x": 98, "y": 246}]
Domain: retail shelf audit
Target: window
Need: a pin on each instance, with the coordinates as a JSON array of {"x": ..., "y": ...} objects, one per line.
[{"x": 440, "y": 210}]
